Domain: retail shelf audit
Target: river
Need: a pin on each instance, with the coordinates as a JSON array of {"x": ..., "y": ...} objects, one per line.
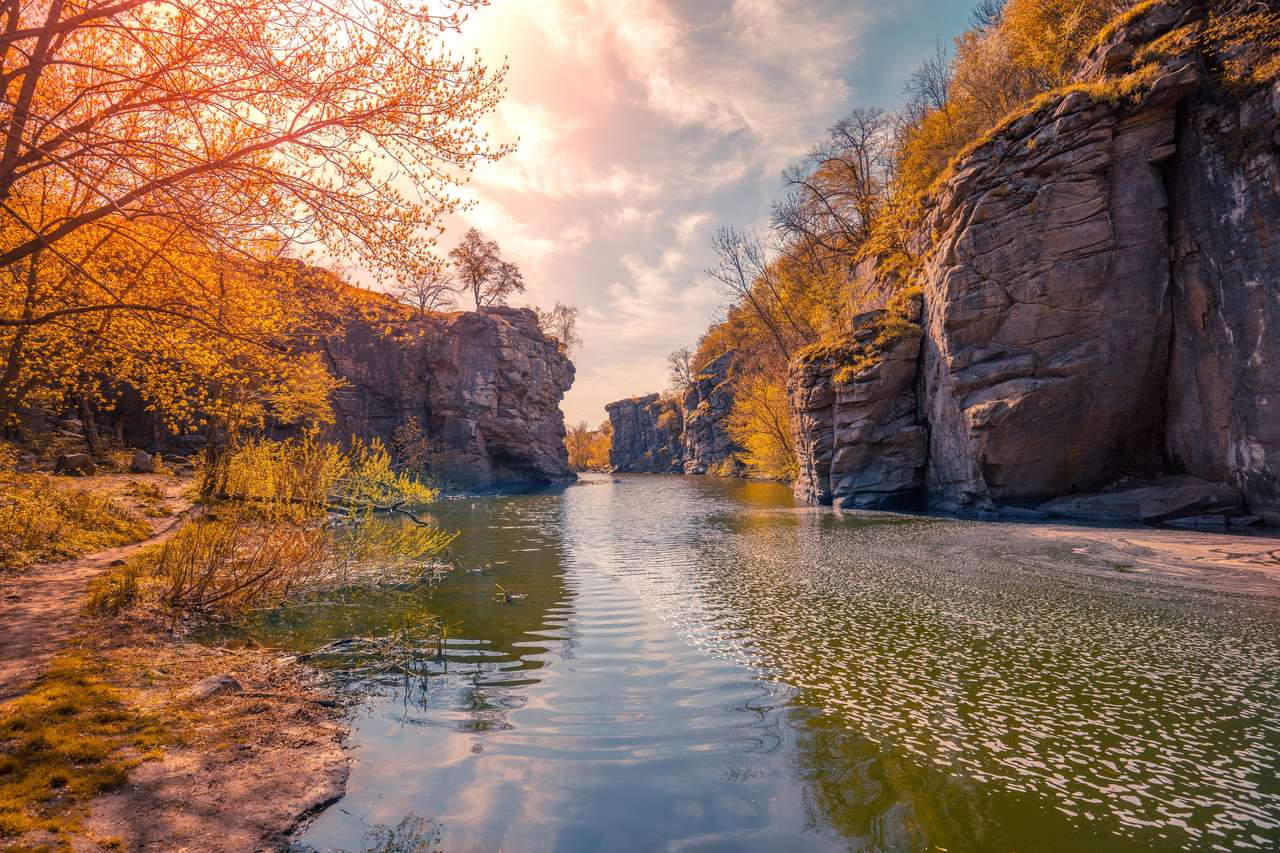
[{"x": 703, "y": 664}]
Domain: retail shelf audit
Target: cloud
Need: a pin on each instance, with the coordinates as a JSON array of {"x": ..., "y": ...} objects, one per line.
[{"x": 642, "y": 125}]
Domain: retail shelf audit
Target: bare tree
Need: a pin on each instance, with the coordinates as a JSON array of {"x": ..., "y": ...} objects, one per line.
[
  {"x": 748, "y": 275},
  {"x": 561, "y": 323},
  {"x": 434, "y": 289},
  {"x": 986, "y": 15},
  {"x": 680, "y": 368},
  {"x": 835, "y": 194},
  {"x": 482, "y": 271}
]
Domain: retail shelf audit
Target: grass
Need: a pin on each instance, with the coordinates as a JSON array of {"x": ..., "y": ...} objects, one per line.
[
  {"x": 42, "y": 520},
  {"x": 71, "y": 738}
]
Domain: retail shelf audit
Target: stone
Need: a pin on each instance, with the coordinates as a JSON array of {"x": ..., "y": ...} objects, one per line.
[
  {"x": 860, "y": 443},
  {"x": 1101, "y": 333},
  {"x": 646, "y": 435},
  {"x": 142, "y": 463},
  {"x": 75, "y": 463},
  {"x": 1223, "y": 420},
  {"x": 1175, "y": 497},
  {"x": 207, "y": 688}
]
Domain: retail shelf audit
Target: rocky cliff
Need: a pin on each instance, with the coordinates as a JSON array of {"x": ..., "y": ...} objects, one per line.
[
  {"x": 485, "y": 389},
  {"x": 654, "y": 434},
  {"x": 646, "y": 435},
  {"x": 1101, "y": 325},
  {"x": 708, "y": 449}
]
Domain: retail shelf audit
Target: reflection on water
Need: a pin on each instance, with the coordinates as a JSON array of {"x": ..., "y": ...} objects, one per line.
[{"x": 701, "y": 664}]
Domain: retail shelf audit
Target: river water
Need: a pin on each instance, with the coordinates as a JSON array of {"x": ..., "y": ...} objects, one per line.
[{"x": 703, "y": 664}]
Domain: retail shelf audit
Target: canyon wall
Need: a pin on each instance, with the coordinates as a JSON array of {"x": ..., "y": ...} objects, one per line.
[
  {"x": 485, "y": 389},
  {"x": 666, "y": 435},
  {"x": 1101, "y": 325},
  {"x": 646, "y": 435}
]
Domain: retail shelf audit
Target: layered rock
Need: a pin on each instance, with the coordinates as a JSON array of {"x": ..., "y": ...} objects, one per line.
[
  {"x": 1048, "y": 307},
  {"x": 646, "y": 435},
  {"x": 708, "y": 448},
  {"x": 485, "y": 389},
  {"x": 855, "y": 419},
  {"x": 1102, "y": 306}
]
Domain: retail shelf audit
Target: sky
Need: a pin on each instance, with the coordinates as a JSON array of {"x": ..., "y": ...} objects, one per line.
[{"x": 642, "y": 127}]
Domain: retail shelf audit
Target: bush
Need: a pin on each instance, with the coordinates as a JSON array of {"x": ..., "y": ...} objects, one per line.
[
  {"x": 306, "y": 478},
  {"x": 232, "y": 561}
]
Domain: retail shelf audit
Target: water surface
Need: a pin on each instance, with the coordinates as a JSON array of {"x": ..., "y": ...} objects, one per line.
[{"x": 702, "y": 664}]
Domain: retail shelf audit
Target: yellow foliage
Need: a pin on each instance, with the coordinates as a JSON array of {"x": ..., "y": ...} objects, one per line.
[
  {"x": 589, "y": 448},
  {"x": 306, "y": 476},
  {"x": 760, "y": 423}
]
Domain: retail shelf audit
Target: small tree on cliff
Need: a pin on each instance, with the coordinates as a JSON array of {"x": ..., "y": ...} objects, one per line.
[
  {"x": 680, "y": 368},
  {"x": 433, "y": 289},
  {"x": 481, "y": 270},
  {"x": 560, "y": 323}
]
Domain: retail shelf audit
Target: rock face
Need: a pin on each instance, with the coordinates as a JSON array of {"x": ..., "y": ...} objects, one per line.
[
  {"x": 1048, "y": 308},
  {"x": 707, "y": 445},
  {"x": 1102, "y": 302},
  {"x": 859, "y": 438},
  {"x": 646, "y": 435},
  {"x": 1224, "y": 375},
  {"x": 484, "y": 387},
  {"x": 660, "y": 435}
]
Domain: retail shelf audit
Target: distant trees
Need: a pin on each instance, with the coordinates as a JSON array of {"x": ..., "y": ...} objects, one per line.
[
  {"x": 561, "y": 323},
  {"x": 482, "y": 272},
  {"x": 589, "y": 448}
]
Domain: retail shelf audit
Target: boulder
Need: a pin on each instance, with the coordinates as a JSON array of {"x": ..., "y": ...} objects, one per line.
[
  {"x": 75, "y": 463},
  {"x": 209, "y": 687},
  {"x": 142, "y": 463},
  {"x": 1166, "y": 498}
]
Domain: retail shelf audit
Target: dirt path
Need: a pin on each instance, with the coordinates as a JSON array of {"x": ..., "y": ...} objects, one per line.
[{"x": 41, "y": 606}]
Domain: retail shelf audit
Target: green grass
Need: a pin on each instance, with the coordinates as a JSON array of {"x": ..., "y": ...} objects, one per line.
[{"x": 71, "y": 738}]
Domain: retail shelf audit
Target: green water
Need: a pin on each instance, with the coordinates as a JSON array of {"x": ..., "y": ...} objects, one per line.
[{"x": 698, "y": 664}]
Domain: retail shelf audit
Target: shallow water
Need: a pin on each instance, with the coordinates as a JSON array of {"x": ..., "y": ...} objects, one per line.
[{"x": 702, "y": 664}]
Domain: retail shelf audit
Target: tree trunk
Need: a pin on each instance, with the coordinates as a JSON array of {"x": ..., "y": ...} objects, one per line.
[{"x": 90, "y": 427}]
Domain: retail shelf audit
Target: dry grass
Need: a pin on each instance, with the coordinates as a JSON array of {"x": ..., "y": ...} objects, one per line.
[
  {"x": 42, "y": 520},
  {"x": 229, "y": 562}
]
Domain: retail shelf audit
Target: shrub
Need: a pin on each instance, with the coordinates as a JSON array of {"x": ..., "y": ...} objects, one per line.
[{"x": 234, "y": 561}]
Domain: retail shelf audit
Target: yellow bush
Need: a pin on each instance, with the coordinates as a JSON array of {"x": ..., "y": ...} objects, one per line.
[
  {"x": 306, "y": 476},
  {"x": 760, "y": 423}
]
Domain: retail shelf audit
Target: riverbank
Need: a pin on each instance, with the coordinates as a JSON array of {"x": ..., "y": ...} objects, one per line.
[{"x": 120, "y": 733}]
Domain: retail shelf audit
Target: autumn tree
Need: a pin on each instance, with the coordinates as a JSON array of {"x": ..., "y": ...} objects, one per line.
[
  {"x": 561, "y": 323},
  {"x": 589, "y": 448},
  {"x": 481, "y": 270},
  {"x": 158, "y": 158}
]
